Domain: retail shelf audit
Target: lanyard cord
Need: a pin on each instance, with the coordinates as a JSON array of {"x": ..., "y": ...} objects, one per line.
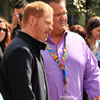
[{"x": 60, "y": 63}]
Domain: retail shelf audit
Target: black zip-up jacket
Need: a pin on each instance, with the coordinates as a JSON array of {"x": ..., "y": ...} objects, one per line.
[{"x": 22, "y": 75}]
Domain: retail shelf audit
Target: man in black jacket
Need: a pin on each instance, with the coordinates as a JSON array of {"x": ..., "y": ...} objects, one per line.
[{"x": 22, "y": 72}]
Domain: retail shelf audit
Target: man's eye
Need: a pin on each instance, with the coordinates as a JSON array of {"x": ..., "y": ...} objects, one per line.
[
  {"x": 64, "y": 13},
  {"x": 57, "y": 15}
]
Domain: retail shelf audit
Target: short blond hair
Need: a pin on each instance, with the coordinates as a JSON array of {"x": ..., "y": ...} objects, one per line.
[{"x": 36, "y": 9}]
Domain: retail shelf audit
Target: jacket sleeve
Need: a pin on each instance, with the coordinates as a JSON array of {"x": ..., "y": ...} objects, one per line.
[{"x": 20, "y": 74}]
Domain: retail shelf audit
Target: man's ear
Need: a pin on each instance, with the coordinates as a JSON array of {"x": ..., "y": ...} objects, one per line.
[{"x": 32, "y": 20}]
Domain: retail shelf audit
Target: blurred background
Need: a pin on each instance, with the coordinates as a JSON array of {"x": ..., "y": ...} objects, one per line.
[{"x": 79, "y": 11}]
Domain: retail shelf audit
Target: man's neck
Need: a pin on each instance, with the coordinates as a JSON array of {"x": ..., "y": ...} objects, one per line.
[{"x": 57, "y": 37}]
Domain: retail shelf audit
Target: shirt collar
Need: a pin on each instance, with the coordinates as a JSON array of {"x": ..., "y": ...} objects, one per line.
[{"x": 50, "y": 40}]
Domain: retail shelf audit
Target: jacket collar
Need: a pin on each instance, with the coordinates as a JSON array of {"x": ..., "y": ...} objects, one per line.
[{"x": 33, "y": 42}]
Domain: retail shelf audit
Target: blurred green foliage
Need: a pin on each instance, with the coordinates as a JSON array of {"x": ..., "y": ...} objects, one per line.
[
  {"x": 74, "y": 7},
  {"x": 82, "y": 7}
]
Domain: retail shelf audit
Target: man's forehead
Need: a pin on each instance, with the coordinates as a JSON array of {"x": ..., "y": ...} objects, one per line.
[
  {"x": 60, "y": 10},
  {"x": 18, "y": 10}
]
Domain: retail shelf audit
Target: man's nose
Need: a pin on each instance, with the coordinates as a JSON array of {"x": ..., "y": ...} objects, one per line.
[{"x": 50, "y": 29}]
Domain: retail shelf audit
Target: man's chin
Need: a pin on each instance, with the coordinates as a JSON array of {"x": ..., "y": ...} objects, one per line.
[
  {"x": 63, "y": 27},
  {"x": 45, "y": 39}
]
